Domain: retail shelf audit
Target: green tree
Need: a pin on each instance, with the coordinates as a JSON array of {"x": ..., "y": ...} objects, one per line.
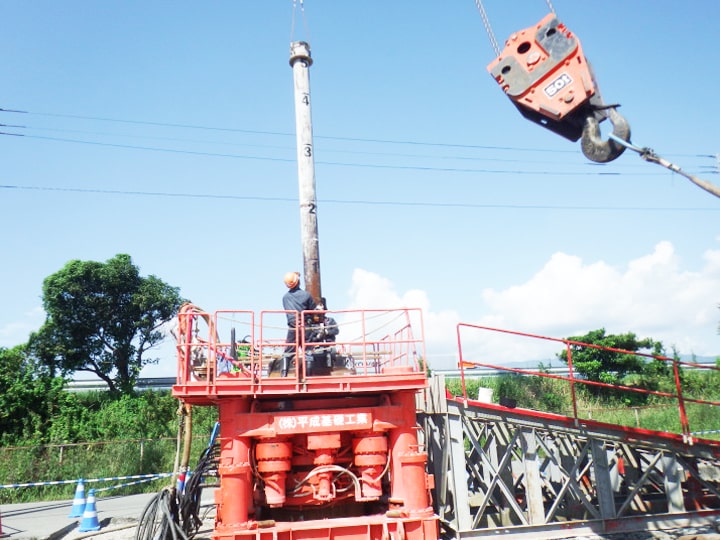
[
  {"x": 614, "y": 367},
  {"x": 28, "y": 394},
  {"x": 103, "y": 318}
]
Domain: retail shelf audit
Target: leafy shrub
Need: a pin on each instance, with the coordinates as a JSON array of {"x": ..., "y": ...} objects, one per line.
[{"x": 99, "y": 435}]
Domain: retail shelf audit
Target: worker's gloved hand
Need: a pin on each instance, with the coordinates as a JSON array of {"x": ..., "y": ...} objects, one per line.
[{"x": 318, "y": 335}]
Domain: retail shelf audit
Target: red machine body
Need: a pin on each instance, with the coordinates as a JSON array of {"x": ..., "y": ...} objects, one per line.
[{"x": 332, "y": 450}]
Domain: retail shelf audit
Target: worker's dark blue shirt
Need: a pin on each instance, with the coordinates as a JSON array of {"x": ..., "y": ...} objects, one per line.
[{"x": 299, "y": 300}]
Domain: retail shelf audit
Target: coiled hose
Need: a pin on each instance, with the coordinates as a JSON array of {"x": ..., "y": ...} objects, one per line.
[{"x": 174, "y": 515}]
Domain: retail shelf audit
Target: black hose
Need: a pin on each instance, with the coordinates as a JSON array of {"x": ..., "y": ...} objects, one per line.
[
  {"x": 159, "y": 518},
  {"x": 171, "y": 515},
  {"x": 190, "y": 500}
]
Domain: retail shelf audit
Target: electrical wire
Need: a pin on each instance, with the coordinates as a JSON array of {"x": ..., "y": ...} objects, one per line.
[
  {"x": 409, "y": 142},
  {"x": 361, "y": 202},
  {"x": 287, "y": 134},
  {"x": 598, "y": 171},
  {"x": 291, "y": 149},
  {"x": 351, "y": 164}
]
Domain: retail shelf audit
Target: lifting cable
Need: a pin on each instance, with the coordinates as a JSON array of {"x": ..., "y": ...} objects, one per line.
[
  {"x": 647, "y": 154},
  {"x": 305, "y": 23},
  {"x": 488, "y": 27}
]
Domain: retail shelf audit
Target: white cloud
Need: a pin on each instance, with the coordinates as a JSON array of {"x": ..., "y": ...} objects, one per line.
[
  {"x": 652, "y": 296},
  {"x": 372, "y": 291}
]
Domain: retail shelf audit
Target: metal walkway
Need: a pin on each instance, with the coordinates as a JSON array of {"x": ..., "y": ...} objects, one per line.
[{"x": 511, "y": 472}]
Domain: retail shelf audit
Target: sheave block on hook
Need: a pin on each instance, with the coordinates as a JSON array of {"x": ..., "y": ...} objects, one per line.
[{"x": 543, "y": 71}]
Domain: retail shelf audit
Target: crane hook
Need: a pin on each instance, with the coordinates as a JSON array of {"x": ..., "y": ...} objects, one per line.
[{"x": 594, "y": 148}]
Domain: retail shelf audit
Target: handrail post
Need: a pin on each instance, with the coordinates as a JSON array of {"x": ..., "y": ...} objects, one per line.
[
  {"x": 684, "y": 423},
  {"x": 571, "y": 374},
  {"x": 461, "y": 363}
]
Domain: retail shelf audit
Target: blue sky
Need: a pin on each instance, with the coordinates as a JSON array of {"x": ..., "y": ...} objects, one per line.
[{"x": 165, "y": 130}]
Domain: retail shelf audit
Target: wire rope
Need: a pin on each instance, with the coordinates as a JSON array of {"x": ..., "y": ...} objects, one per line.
[
  {"x": 302, "y": 14},
  {"x": 488, "y": 28}
]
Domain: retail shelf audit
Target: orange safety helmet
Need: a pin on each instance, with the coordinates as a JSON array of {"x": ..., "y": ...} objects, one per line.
[{"x": 292, "y": 279}]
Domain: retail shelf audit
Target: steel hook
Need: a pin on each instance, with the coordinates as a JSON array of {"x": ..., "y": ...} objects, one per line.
[{"x": 594, "y": 148}]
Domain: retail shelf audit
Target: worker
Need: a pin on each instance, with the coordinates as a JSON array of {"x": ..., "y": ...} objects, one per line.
[
  {"x": 321, "y": 328},
  {"x": 320, "y": 332},
  {"x": 295, "y": 301}
]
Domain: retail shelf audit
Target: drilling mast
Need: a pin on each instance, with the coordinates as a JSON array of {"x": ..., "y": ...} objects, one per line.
[{"x": 300, "y": 61}]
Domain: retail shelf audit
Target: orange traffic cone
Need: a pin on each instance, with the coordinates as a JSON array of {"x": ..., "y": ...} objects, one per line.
[
  {"x": 78, "y": 506},
  {"x": 90, "y": 519}
]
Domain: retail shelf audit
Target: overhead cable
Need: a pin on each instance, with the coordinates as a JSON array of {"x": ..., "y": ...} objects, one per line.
[{"x": 433, "y": 204}]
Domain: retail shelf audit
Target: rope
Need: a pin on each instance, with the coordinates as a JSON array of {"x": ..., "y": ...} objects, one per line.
[
  {"x": 488, "y": 28},
  {"x": 550, "y": 6},
  {"x": 650, "y": 156}
]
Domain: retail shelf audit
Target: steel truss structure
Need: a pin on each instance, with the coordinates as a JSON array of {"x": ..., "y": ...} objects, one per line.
[{"x": 513, "y": 472}]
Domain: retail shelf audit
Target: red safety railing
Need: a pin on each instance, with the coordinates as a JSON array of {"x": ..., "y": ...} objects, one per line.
[
  {"x": 679, "y": 397},
  {"x": 237, "y": 346}
]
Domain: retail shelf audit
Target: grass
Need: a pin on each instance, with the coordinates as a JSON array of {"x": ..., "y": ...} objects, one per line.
[
  {"x": 621, "y": 408},
  {"x": 109, "y": 459},
  {"x": 42, "y": 463}
]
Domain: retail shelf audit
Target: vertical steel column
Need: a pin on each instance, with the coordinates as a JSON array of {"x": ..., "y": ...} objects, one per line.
[
  {"x": 533, "y": 482},
  {"x": 300, "y": 61},
  {"x": 673, "y": 484},
  {"x": 603, "y": 485},
  {"x": 458, "y": 484}
]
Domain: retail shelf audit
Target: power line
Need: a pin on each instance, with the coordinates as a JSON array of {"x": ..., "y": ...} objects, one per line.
[
  {"x": 291, "y": 148},
  {"x": 343, "y": 164},
  {"x": 516, "y": 172},
  {"x": 276, "y": 133},
  {"x": 291, "y": 134},
  {"x": 433, "y": 204},
  {"x": 155, "y": 149}
]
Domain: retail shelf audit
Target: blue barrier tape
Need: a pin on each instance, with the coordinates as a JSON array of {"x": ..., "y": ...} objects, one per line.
[
  {"x": 116, "y": 478},
  {"x": 156, "y": 477},
  {"x": 86, "y": 481},
  {"x": 35, "y": 484}
]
